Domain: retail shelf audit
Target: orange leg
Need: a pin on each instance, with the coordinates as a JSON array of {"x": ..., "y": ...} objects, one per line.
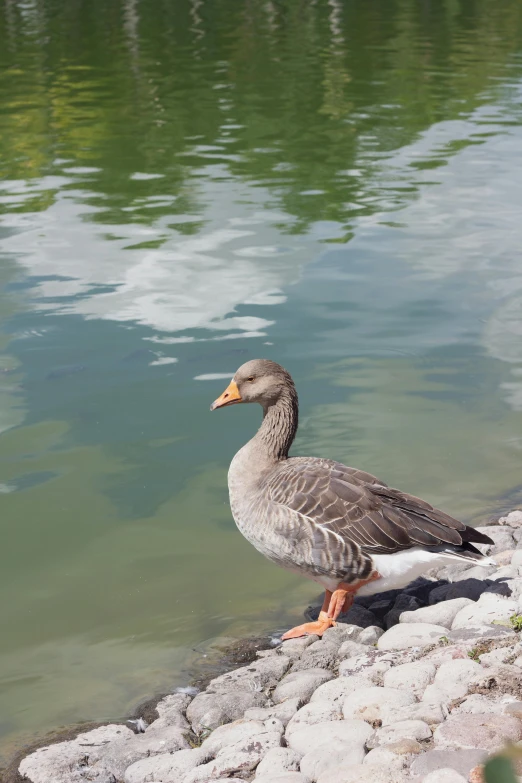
[{"x": 334, "y": 603}]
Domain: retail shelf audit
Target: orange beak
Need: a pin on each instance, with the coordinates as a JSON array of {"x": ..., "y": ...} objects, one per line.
[{"x": 230, "y": 396}]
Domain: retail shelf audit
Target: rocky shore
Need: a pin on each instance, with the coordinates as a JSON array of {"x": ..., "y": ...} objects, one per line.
[{"x": 415, "y": 685}]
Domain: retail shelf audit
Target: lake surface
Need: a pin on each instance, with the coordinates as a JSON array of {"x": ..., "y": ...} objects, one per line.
[{"x": 188, "y": 185}]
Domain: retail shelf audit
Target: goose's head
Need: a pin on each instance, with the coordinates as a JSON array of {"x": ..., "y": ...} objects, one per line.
[{"x": 259, "y": 380}]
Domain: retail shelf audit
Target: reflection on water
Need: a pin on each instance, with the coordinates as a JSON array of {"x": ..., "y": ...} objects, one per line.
[{"x": 187, "y": 186}]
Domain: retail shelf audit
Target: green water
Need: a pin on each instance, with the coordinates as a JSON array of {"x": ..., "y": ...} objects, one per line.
[{"x": 187, "y": 185}]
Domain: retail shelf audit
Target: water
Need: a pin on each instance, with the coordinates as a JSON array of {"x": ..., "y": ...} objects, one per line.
[{"x": 187, "y": 185}]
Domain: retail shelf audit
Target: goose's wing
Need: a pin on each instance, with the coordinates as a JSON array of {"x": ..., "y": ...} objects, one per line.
[{"x": 359, "y": 509}]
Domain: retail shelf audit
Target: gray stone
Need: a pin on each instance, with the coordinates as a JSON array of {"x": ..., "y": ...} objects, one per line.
[
  {"x": 480, "y": 633},
  {"x": 283, "y": 712},
  {"x": 335, "y": 691},
  {"x": 478, "y": 704},
  {"x": 396, "y": 755},
  {"x": 451, "y": 680},
  {"x": 236, "y": 758},
  {"x": 403, "y": 603},
  {"x": 342, "y": 632},
  {"x": 505, "y": 572},
  {"x": 406, "y": 635},
  {"x": 496, "y": 680},
  {"x": 476, "y": 572},
  {"x": 430, "y": 713},
  {"x": 477, "y": 731},
  {"x": 363, "y": 773},
  {"x": 305, "y": 740},
  {"x": 294, "y": 648},
  {"x": 314, "y": 712},
  {"x": 259, "y": 675},
  {"x": 462, "y": 761},
  {"x": 367, "y": 703},
  {"x": 360, "y": 616},
  {"x": 406, "y": 729},
  {"x": 239, "y": 734},
  {"x": 438, "y": 614},
  {"x": 277, "y": 761},
  {"x": 320, "y": 655},
  {"x": 283, "y": 777},
  {"x": 330, "y": 754},
  {"x": 446, "y": 775},
  {"x": 167, "y": 767},
  {"x": 414, "y": 677},
  {"x": 350, "y": 649},
  {"x": 116, "y": 756},
  {"x": 300, "y": 685},
  {"x": 488, "y": 609},
  {"x": 210, "y": 710},
  {"x": 516, "y": 559},
  {"x": 500, "y": 655},
  {"x": 370, "y": 635},
  {"x": 171, "y": 711},
  {"x": 55, "y": 762}
]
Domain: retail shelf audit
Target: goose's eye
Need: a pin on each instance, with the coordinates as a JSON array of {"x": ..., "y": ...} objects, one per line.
[{"x": 250, "y": 378}]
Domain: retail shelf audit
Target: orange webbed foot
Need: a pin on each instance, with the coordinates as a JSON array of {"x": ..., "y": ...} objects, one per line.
[{"x": 321, "y": 625}]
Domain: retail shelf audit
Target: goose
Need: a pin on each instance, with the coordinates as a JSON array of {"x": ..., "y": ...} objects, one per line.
[{"x": 339, "y": 526}]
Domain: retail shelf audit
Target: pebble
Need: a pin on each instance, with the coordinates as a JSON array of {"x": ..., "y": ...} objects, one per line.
[{"x": 423, "y": 702}]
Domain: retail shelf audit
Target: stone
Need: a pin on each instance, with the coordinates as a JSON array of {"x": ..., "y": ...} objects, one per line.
[
  {"x": 462, "y": 761},
  {"x": 406, "y": 729},
  {"x": 236, "y": 758},
  {"x": 210, "y": 710},
  {"x": 320, "y": 655},
  {"x": 307, "y": 739},
  {"x": 370, "y": 635},
  {"x": 277, "y": 761},
  {"x": 480, "y": 704},
  {"x": 489, "y": 608},
  {"x": 372, "y": 664},
  {"x": 403, "y": 603},
  {"x": 500, "y": 655},
  {"x": 314, "y": 712},
  {"x": 167, "y": 767},
  {"x": 513, "y": 519},
  {"x": 516, "y": 559},
  {"x": 300, "y": 685},
  {"x": 514, "y": 708},
  {"x": 363, "y": 773},
  {"x": 476, "y": 572},
  {"x": 430, "y": 713},
  {"x": 505, "y": 572},
  {"x": 497, "y": 680},
  {"x": 330, "y": 754},
  {"x": 238, "y": 734},
  {"x": 258, "y": 676},
  {"x": 467, "y": 588},
  {"x": 116, "y": 756},
  {"x": 283, "y": 712},
  {"x": 366, "y": 703},
  {"x": 452, "y": 679},
  {"x": 171, "y": 711},
  {"x": 396, "y": 754},
  {"x": 283, "y": 777},
  {"x": 414, "y": 677},
  {"x": 438, "y": 614},
  {"x": 294, "y": 648},
  {"x": 358, "y": 615},
  {"x": 406, "y": 635},
  {"x": 480, "y": 633},
  {"x": 342, "y": 632},
  {"x": 351, "y": 649},
  {"x": 502, "y": 537},
  {"x": 488, "y": 732},
  {"x": 55, "y": 762},
  {"x": 335, "y": 691},
  {"x": 446, "y": 775}
]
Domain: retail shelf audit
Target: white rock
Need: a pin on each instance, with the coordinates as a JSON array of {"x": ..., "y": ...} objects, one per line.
[
  {"x": 350, "y": 649},
  {"x": 364, "y": 773},
  {"x": 500, "y": 655},
  {"x": 315, "y": 712},
  {"x": 210, "y": 710},
  {"x": 55, "y": 762},
  {"x": 300, "y": 684},
  {"x": 478, "y": 704},
  {"x": 373, "y": 664},
  {"x": 406, "y": 635},
  {"x": 331, "y": 754},
  {"x": 167, "y": 767},
  {"x": 452, "y": 680},
  {"x": 444, "y": 776},
  {"x": 309, "y": 738},
  {"x": 283, "y": 712},
  {"x": 397, "y": 755},
  {"x": 284, "y": 777},
  {"x": 367, "y": 703},
  {"x": 502, "y": 537},
  {"x": 438, "y": 614},
  {"x": 233, "y": 733},
  {"x": 370, "y": 635},
  {"x": 243, "y": 755},
  {"x": 489, "y": 608},
  {"x": 294, "y": 648},
  {"x": 516, "y": 560},
  {"x": 278, "y": 761},
  {"x": 406, "y": 729},
  {"x": 259, "y": 675},
  {"x": 414, "y": 677},
  {"x": 430, "y": 713},
  {"x": 513, "y": 519},
  {"x": 335, "y": 691}
]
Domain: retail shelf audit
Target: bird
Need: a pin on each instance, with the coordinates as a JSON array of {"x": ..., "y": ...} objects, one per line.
[{"x": 338, "y": 526}]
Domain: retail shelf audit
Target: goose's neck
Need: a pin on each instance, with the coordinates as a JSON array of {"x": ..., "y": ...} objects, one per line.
[{"x": 277, "y": 432}]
